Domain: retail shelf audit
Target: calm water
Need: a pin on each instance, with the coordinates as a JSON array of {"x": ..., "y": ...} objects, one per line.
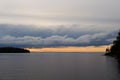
[{"x": 58, "y": 66}]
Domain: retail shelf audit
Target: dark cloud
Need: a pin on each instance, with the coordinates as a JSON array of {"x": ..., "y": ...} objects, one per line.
[
  {"x": 61, "y": 30},
  {"x": 31, "y": 36}
]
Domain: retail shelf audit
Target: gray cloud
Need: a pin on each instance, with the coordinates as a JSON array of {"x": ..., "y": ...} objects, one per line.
[
  {"x": 73, "y": 35},
  {"x": 55, "y": 41},
  {"x": 62, "y": 30}
]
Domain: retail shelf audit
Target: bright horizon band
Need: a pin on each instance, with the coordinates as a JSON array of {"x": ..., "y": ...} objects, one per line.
[{"x": 71, "y": 49}]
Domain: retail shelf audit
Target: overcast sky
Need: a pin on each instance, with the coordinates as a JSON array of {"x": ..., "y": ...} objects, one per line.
[
  {"x": 58, "y": 22},
  {"x": 54, "y": 12}
]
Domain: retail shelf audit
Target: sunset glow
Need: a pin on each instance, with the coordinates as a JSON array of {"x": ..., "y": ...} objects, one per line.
[{"x": 70, "y": 49}]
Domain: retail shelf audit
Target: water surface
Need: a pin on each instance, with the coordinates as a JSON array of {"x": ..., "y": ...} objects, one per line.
[{"x": 58, "y": 66}]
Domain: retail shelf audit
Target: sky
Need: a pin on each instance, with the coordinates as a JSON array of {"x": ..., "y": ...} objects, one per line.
[
  {"x": 70, "y": 49},
  {"x": 58, "y": 23}
]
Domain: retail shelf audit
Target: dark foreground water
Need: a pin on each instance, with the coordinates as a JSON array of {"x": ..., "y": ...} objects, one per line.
[{"x": 58, "y": 66}]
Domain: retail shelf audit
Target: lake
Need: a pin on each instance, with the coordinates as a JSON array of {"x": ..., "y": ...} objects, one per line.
[{"x": 58, "y": 66}]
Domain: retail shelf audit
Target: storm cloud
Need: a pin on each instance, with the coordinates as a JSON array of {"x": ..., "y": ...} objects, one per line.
[{"x": 74, "y": 35}]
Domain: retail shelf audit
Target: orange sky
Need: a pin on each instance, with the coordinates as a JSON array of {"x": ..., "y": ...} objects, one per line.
[{"x": 70, "y": 49}]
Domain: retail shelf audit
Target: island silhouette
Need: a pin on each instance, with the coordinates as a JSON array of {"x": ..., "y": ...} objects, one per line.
[
  {"x": 114, "y": 50},
  {"x": 13, "y": 50}
]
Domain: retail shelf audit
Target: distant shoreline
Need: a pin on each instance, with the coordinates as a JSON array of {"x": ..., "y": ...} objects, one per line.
[{"x": 13, "y": 50}]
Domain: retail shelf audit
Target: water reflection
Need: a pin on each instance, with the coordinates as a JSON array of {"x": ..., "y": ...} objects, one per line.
[
  {"x": 113, "y": 67},
  {"x": 117, "y": 61}
]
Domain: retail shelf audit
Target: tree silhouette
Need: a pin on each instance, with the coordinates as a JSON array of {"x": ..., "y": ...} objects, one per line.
[{"x": 115, "y": 48}]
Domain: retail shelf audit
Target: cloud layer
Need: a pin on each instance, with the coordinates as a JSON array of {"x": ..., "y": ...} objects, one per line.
[
  {"x": 32, "y": 36},
  {"x": 59, "y": 12}
]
